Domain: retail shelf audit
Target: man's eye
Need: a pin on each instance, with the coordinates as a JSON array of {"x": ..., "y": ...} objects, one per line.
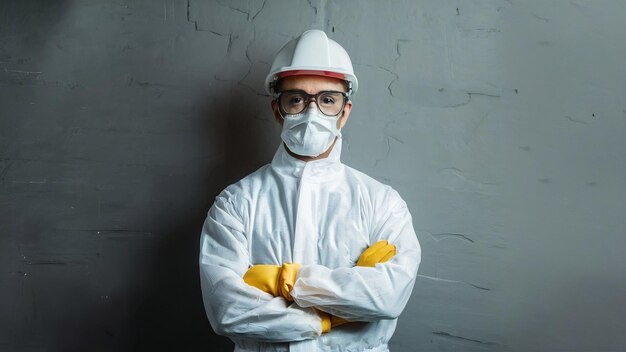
[
  {"x": 296, "y": 99},
  {"x": 328, "y": 100}
]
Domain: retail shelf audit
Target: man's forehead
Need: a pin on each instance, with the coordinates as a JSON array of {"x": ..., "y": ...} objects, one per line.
[{"x": 311, "y": 84}]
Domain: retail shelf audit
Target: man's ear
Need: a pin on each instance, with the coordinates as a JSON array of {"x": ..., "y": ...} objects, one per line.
[
  {"x": 344, "y": 115},
  {"x": 276, "y": 112}
]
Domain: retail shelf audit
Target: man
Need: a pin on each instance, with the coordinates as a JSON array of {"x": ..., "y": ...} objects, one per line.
[{"x": 307, "y": 254}]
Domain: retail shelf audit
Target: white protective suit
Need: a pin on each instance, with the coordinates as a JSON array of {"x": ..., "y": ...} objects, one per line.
[{"x": 323, "y": 215}]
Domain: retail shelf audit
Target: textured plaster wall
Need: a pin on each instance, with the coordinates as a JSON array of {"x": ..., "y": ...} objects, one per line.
[{"x": 501, "y": 123}]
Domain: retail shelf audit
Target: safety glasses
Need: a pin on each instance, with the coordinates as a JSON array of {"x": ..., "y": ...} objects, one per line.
[{"x": 329, "y": 102}]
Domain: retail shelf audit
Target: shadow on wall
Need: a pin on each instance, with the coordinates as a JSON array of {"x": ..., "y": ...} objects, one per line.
[
  {"x": 165, "y": 310},
  {"x": 171, "y": 315},
  {"x": 152, "y": 299}
]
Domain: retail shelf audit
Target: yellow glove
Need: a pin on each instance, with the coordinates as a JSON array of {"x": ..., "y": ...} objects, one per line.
[
  {"x": 287, "y": 279},
  {"x": 273, "y": 279},
  {"x": 264, "y": 277},
  {"x": 326, "y": 321},
  {"x": 379, "y": 252},
  {"x": 330, "y": 321}
]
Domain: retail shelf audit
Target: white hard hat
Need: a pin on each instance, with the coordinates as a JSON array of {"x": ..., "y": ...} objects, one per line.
[{"x": 312, "y": 54}]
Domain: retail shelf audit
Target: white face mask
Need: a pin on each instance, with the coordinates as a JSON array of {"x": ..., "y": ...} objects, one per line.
[{"x": 309, "y": 133}]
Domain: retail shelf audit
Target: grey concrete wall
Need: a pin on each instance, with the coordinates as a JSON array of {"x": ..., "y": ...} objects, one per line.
[{"x": 501, "y": 123}]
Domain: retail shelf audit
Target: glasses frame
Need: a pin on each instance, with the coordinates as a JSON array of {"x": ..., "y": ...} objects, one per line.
[{"x": 309, "y": 98}]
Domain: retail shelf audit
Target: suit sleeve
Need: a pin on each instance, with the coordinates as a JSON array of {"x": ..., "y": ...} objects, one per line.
[
  {"x": 368, "y": 293},
  {"x": 234, "y": 308}
]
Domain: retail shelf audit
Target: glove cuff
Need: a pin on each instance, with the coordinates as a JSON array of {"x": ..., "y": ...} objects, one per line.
[
  {"x": 287, "y": 280},
  {"x": 326, "y": 321}
]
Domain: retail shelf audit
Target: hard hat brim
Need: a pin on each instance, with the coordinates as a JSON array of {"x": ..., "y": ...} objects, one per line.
[
  {"x": 311, "y": 73},
  {"x": 349, "y": 78}
]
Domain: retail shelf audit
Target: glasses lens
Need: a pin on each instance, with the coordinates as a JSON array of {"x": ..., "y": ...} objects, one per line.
[
  {"x": 330, "y": 103},
  {"x": 292, "y": 103}
]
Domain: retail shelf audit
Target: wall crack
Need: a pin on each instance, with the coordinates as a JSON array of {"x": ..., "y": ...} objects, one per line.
[
  {"x": 434, "y": 278},
  {"x": 456, "y": 337}
]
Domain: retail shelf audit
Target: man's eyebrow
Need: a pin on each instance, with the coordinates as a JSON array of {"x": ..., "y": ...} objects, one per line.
[{"x": 294, "y": 91}]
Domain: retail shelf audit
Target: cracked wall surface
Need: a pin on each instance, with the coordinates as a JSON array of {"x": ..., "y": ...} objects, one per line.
[{"x": 500, "y": 122}]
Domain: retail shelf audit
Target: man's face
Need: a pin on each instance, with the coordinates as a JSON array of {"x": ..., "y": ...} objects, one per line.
[{"x": 313, "y": 85}]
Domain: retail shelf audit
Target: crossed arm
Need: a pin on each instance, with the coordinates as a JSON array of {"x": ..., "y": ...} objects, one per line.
[
  {"x": 279, "y": 280},
  {"x": 360, "y": 293}
]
